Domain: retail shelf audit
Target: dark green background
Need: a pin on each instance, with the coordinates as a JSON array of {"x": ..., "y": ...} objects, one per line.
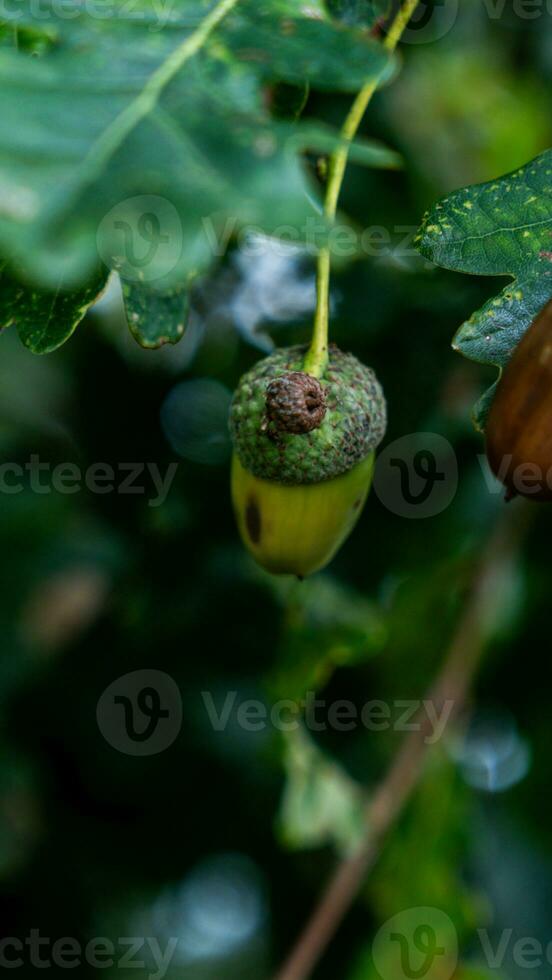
[{"x": 89, "y": 836}]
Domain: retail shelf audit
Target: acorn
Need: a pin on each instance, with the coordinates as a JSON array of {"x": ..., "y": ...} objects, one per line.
[
  {"x": 304, "y": 451},
  {"x": 519, "y": 427}
]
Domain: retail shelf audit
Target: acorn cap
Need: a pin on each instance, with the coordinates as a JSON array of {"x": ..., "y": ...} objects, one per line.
[{"x": 290, "y": 428}]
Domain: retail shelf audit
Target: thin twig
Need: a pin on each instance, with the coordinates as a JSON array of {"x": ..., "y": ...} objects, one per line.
[
  {"x": 387, "y": 802},
  {"x": 317, "y": 355}
]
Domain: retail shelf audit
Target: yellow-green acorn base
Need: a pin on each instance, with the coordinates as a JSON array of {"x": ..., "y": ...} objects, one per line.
[{"x": 297, "y": 530}]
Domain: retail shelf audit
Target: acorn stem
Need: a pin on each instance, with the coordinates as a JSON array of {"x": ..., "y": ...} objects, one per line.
[{"x": 316, "y": 359}]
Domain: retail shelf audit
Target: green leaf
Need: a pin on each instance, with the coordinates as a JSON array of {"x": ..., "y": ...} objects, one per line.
[
  {"x": 45, "y": 319},
  {"x": 302, "y": 49},
  {"x": 368, "y": 153},
  {"x": 155, "y": 318},
  {"x": 134, "y": 137},
  {"x": 328, "y": 627},
  {"x": 434, "y": 825},
  {"x": 500, "y": 228},
  {"x": 321, "y": 803}
]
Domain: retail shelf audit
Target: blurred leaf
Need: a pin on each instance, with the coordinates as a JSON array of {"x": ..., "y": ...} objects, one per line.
[
  {"x": 298, "y": 49},
  {"x": 45, "y": 319},
  {"x": 364, "y": 13},
  {"x": 434, "y": 826},
  {"x": 469, "y": 117},
  {"x": 368, "y": 153},
  {"x": 155, "y": 318},
  {"x": 328, "y": 626},
  {"x": 321, "y": 803},
  {"x": 178, "y": 119},
  {"x": 500, "y": 228},
  {"x": 423, "y": 611},
  {"x": 419, "y": 872}
]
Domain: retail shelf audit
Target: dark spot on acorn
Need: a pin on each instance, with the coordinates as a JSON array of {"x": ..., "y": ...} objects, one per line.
[
  {"x": 253, "y": 520},
  {"x": 295, "y": 403},
  {"x": 519, "y": 427}
]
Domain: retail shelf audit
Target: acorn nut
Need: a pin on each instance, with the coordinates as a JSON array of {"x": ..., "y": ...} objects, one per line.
[
  {"x": 304, "y": 457},
  {"x": 519, "y": 427}
]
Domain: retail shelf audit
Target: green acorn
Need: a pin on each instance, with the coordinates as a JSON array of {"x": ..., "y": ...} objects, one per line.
[{"x": 304, "y": 456}]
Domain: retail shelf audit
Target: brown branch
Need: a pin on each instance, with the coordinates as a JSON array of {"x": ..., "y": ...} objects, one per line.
[{"x": 387, "y": 802}]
